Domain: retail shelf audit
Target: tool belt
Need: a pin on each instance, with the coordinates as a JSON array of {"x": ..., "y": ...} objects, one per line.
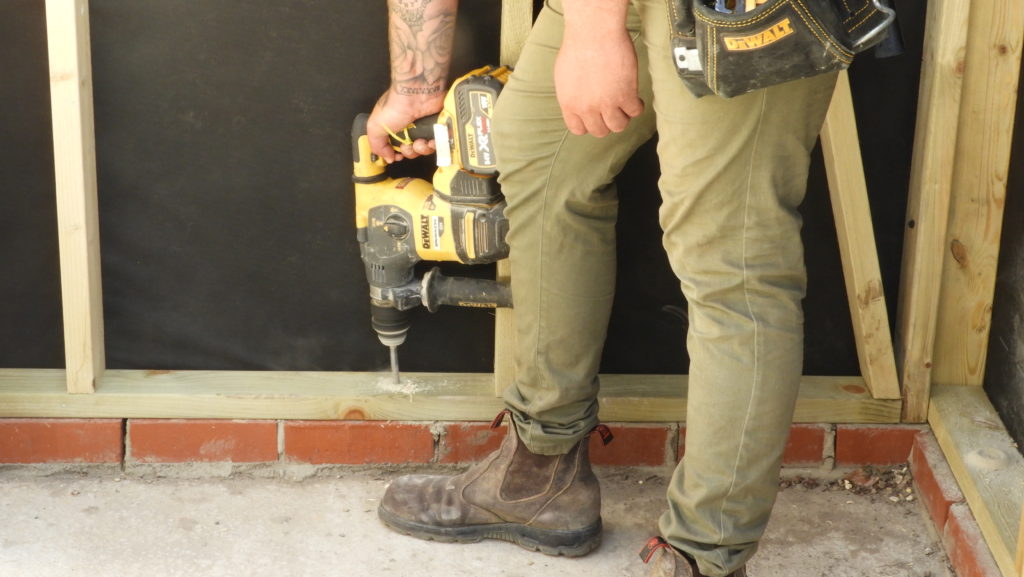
[{"x": 778, "y": 41}]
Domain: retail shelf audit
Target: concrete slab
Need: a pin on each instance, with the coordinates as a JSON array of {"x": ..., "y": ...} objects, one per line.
[{"x": 105, "y": 524}]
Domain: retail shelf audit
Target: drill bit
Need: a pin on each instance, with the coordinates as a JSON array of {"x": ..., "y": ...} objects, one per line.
[{"x": 394, "y": 364}]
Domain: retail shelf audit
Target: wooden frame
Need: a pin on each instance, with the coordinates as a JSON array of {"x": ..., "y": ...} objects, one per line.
[
  {"x": 857, "y": 248},
  {"x": 987, "y": 465},
  {"x": 972, "y": 238},
  {"x": 961, "y": 154},
  {"x": 362, "y": 396},
  {"x": 969, "y": 79},
  {"x": 323, "y": 395},
  {"x": 958, "y": 183},
  {"x": 1020, "y": 546},
  {"x": 938, "y": 114},
  {"x": 74, "y": 152}
]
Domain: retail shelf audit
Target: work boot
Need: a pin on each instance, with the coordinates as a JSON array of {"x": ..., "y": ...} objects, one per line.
[
  {"x": 546, "y": 503},
  {"x": 667, "y": 561}
]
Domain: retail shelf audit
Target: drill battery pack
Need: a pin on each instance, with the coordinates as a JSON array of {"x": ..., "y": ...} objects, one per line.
[{"x": 732, "y": 52}]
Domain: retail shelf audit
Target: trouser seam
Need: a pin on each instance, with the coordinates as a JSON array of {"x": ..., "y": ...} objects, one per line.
[
  {"x": 530, "y": 438},
  {"x": 750, "y": 311}
]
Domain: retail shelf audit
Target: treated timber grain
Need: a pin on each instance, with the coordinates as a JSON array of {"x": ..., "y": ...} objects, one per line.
[
  {"x": 516, "y": 21},
  {"x": 979, "y": 191},
  {"x": 863, "y": 275},
  {"x": 986, "y": 463},
  {"x": 931, "y": 173},
  {"x": 74, "y": 154},
  {"x": 1020, "y": 546},
  {"x": 359, "y": 396}
]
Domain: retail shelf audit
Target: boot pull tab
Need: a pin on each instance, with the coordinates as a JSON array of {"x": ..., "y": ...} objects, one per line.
[
  {"x": 604, "y": 432},
  {"x": 497, "y": 420},
  {"x": 652, "y": 546}
]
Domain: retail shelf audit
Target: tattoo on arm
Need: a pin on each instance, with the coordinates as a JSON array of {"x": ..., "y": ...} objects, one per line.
[{"x": 421, "y": 34}]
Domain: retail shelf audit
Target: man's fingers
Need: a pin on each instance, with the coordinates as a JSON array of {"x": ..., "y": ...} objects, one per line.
[
  {"x": 601, "y": 123},
  {"x": 423, "y": 147},
  {"x": 634, "y": 108},
  {"x": 419, "y": 147},
  {"x": 616, "y": 120},
  {"x": 575, "y": 124},
  {"x": 382, "y": 148},
  {"x": 596, "y": 126}
]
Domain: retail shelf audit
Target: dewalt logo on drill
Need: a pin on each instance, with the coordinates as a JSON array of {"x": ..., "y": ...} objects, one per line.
[
  {"x": 770, "y": 35},
  {"x": 425, "y": 231},
  {"x": 431, "y": 231}
]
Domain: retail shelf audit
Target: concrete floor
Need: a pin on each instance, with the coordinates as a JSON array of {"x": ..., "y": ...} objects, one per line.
[{"x": 102, "y": 522}]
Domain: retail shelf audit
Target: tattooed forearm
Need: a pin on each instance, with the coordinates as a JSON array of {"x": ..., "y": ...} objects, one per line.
[
  {"x": 421, "y": 34},
  {"x": 411, "y": 12}
]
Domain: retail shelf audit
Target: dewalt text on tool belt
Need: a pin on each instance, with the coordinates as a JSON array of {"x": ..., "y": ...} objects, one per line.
[
  {"x": 730, "y": 47},
  {"x": 457, "y": 217}
]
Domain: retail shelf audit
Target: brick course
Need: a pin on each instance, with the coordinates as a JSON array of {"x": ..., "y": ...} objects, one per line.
[
  {"x": 469, "y": 442},
  {"x": 202, "y": 441},
  {"x": 633, "y": 445},
  {"x": 934, "y": 479},
  {"x": 357, "y": 442},
  {"x": 33, "y": 441},
  {"x": 965, "y": 547},
  {"x": 874, "y": 444},
  {"x": 806, "y": 445}
]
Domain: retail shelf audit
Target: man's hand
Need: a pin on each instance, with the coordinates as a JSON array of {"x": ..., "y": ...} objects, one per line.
[
  {"x": 596, "y": 68},
  {"x": 420, "y": 35},
  {"x": 395, "y": 112}
]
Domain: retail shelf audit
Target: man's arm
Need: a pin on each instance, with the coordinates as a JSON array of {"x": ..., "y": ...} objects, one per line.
[
  {"x": 596, "y": 69},
  {"x": 420, "y": 35}
]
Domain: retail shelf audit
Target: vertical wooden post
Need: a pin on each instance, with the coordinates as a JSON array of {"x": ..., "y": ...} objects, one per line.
[
  {"x": 516, "y": 20},
  {"x": 848, "y": 190},
  {"x": 971, "y": 244},
  {"x": 1020, "y": 546},
  {"x": 931, "y": 172},
  {"x": 74, "y": 151}
]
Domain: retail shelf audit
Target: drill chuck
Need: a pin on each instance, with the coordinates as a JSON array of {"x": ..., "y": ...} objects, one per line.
[{"x": 391, "y": 324}]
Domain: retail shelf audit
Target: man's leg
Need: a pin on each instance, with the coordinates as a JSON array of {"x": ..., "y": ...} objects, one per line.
[
  {"x": 538, "y": 489},
  {"x": 562, "y": 207},
  {"x": 733, "y": 173}
]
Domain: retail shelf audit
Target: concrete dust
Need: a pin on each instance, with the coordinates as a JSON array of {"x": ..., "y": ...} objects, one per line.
[
  {"x": 407, "y": 386},
  {"x": 103, "y": 522}
]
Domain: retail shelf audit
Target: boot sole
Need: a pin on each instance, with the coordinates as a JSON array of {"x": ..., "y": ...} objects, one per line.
[{"x": 564, "y": 543}]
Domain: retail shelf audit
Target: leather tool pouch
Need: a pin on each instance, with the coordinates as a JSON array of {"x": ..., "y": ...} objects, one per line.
[{"x": 776, "y": 42}]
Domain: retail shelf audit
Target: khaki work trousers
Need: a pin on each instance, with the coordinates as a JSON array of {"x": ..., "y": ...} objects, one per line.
[{"x": 733, "y": 173}]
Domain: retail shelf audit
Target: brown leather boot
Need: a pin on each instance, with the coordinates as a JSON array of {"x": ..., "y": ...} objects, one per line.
[
  {"x": 666, "y": 561},
  {"x": 550, "y": 504}
]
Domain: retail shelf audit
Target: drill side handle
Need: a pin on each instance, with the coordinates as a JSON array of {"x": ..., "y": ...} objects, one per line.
[{"x": 439, "y": 289}]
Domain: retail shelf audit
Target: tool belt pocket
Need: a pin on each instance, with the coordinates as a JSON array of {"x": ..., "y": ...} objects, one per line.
[{"x": 778, "y": 41}]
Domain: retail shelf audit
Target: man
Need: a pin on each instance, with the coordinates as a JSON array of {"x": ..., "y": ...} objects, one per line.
[{"x": 594, "y": 82}]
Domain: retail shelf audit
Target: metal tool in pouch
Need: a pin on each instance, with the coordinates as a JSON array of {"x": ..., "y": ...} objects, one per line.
[{"x": 730, "y": 47}]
